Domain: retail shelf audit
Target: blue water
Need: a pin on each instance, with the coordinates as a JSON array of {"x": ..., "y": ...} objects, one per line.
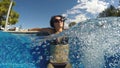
[
  {"x": 93, "y": 43},
  {"x": 23, "y": 51},
  {"x": 15, "y": 51}
]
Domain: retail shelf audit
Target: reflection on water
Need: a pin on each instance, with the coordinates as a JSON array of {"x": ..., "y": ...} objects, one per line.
[{"x": 93, "y": 44}]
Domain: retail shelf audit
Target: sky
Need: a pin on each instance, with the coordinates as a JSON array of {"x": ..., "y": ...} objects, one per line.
[{"x": 37, "y": 13}]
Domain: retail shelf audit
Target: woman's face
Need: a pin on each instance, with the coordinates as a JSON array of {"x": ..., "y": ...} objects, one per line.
[{"x": 58, "y": 23}]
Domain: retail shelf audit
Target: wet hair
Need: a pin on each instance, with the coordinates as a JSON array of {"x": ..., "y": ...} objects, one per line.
[{"x": 53, "y": 18}]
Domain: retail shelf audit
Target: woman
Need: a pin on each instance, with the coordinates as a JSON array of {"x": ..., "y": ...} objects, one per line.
[{"x": 58, "y": 50}]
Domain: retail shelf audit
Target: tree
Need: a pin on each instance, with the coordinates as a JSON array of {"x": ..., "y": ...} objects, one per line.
[
  {"x": 110, "y": 11},
  {"x": 13, "y": 17},
  {"x": 72, "y": 24}
]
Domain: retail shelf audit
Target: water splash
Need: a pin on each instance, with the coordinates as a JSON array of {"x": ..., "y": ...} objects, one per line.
[
  {"x": 95, "y": 43},
  {"x": 88, "y": 9}
]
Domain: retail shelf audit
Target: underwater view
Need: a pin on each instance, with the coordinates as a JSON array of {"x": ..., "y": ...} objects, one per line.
[{"x": 94, "y": 43}]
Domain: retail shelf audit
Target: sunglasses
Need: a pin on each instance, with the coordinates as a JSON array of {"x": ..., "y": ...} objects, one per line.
[{"x": 57, "y": 20}]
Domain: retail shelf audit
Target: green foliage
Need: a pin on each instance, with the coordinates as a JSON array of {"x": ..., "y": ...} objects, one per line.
[
  {"x": 110, "y": 11},
  {"x": 72, "y": 24},
  {"x": 13, "y": 17}
]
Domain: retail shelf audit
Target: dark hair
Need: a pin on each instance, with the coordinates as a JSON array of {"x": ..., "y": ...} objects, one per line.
[{"x": 52, "y": 20}]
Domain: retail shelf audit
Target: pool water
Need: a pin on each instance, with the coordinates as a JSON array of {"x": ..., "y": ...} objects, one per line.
[
  {"x": 15, "y": 51},
  {"x": 23, "y": 51}
]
